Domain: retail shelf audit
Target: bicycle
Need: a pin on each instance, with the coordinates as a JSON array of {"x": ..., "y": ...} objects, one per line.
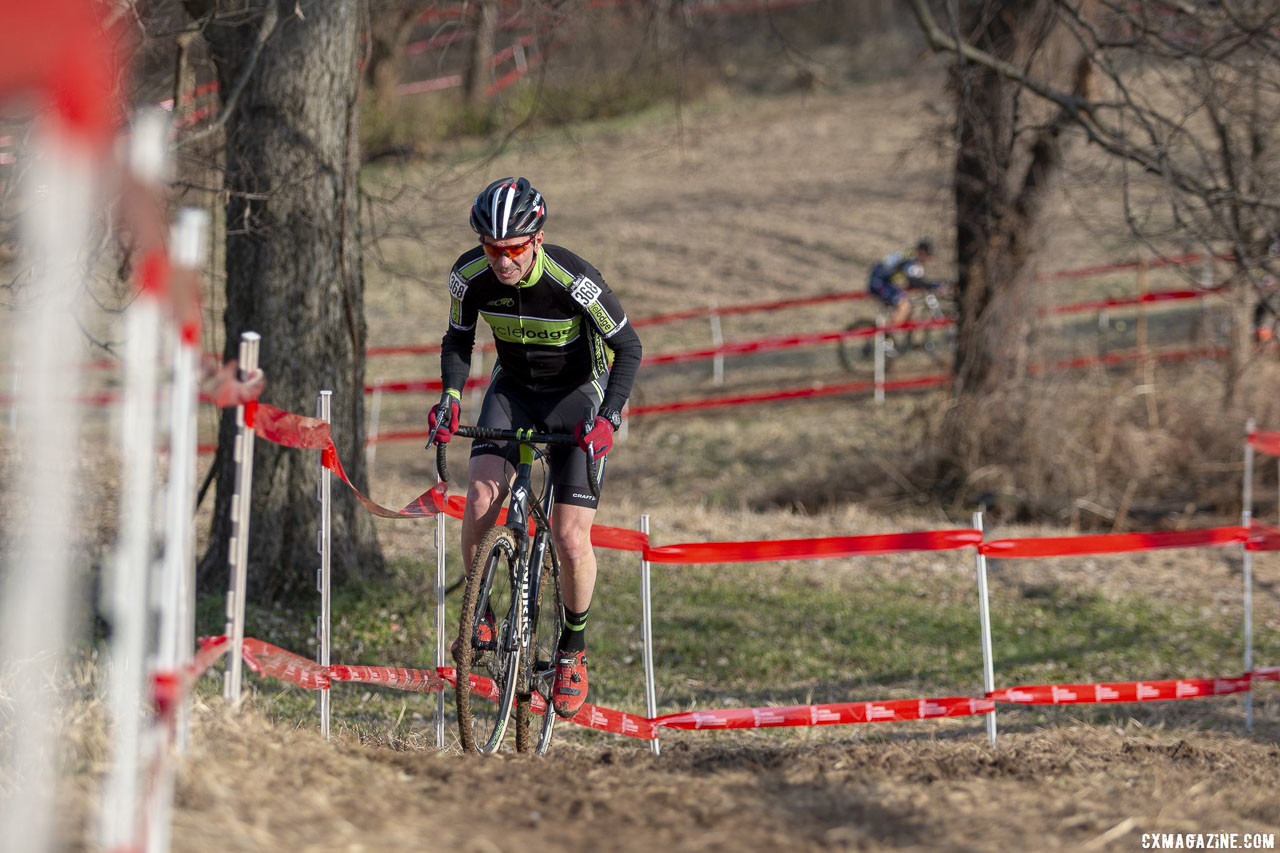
[
  {"x": 936, "y": 338},
  {"x": 512, "y": 660}
]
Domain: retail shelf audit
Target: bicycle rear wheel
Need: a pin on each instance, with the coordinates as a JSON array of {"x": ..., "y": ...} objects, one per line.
[
  {"x": 858, "y": 353},
  {"x": 488, "y": 605}
]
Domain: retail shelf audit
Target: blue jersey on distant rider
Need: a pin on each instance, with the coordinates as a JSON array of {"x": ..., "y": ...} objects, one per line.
[{"x": 898, "y": 271}]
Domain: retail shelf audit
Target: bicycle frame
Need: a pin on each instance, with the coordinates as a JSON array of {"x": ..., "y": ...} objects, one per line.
[{"x": 532, "y": 553}]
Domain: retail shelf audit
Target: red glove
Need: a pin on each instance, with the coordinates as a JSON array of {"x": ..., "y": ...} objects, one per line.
[
  {"x": 599, "y": 435},
  {"x": 443, "y": 417}
]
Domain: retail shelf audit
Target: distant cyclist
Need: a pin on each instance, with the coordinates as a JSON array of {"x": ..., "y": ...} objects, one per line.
[
  {"x": 898, "y": 271},
  {"x": 553, "y": 318}
]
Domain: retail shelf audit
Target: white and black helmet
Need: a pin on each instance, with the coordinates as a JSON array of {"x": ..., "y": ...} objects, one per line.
[{"x": 508, "y": 208}]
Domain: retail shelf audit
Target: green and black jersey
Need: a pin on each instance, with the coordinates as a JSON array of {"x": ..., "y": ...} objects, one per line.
[{"x": 550, "y": 330}]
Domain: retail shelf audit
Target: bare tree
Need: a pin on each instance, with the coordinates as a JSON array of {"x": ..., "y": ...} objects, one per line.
[
  {"x": 390, "y": 23},
  {"x": 1185, "y": 96},
  {"x": 288, "y": 74},
  {"x": 475, "y": 84}
]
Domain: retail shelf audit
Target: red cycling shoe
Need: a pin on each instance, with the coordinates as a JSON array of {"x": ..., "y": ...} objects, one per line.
[{"x": 571, "y": 683}]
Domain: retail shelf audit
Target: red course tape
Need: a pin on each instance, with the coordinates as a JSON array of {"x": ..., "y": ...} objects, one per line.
[
  {"x": 1113, "y": 543},
  {"x": 1122, "y": 691},
  {"x": 804, "y": 549},
  {"x": 1267, "y": 442},
  {"x": 266, "y": 659}
]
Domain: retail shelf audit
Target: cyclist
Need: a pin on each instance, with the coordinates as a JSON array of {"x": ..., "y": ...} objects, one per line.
[
  {"x": 553, "y": 317},
  {"x": 896, "y": 272}
]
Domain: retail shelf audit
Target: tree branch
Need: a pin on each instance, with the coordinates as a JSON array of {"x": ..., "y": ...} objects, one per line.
[{"x": 270, "y": 18}]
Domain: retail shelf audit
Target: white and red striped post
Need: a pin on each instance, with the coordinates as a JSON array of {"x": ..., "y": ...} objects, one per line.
[
  {"x": 324, "y": 411},
  {"x": 984, "y": 620},
  {"x": 717, "y": 341},
  {"x": 128, "y": 602},
  {"x": 1246, "y": 519},
  {"x": 375, "y": 419},
  {"x": 646, "y": 636},
  {"x": 238, "y": 547},
  {"x": 189, "y": 249},
  {"x": 176, "y": 583},
  {"x": 60, "y": 191},
  {"x": 440, "y": 581},
  {"x": 879, "y": 359}
]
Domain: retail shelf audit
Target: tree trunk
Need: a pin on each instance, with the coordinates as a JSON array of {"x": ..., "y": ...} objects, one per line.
[
  {"x": 1003, "y": 174},
  {"x": 480, "y": 60},
  {"x": 389, "y": 29},
  {"x": 294, "y": 275}
]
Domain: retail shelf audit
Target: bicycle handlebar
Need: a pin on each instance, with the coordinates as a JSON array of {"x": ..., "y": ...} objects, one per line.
[{"x": 595, "y": 468}]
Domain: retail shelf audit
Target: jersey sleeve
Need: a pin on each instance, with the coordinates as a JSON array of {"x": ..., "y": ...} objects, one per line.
[
  {"x": 460, "y": 336},
  {"x": 600, "y": 305}
]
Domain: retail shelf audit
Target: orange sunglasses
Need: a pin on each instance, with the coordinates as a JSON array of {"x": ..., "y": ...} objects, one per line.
[{"x": 512, "y": 252}]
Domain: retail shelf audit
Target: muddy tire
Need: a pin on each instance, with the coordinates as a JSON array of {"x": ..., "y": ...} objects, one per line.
[
  {"x": 482, "y": 720},
  {"x": 539, "y": 665}
]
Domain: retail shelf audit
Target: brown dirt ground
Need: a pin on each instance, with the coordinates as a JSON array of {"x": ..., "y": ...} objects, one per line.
[
  {"x": 738, "y": 200},
  {"x": 248, "y": 786}
]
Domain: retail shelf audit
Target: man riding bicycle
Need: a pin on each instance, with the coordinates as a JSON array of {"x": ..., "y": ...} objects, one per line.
[
  {"x": 898, "y": 271},
  {"x": 552, "y": 317}
]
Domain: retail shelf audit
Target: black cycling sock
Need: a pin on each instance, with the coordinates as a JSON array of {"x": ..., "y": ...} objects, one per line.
[{"x": 574, "y": 636}]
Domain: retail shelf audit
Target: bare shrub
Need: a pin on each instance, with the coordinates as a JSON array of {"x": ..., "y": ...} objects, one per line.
[{"x": 1151, "y": 449}]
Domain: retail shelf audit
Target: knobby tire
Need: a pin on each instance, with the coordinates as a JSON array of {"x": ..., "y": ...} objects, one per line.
[
  {"x": 858, "y": 355},
  {"x": 481, "y": 726},
  {"x": 543, "y": 643}
]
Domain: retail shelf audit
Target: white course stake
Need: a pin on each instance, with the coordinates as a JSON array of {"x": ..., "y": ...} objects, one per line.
[
  {"x": 879, "y": 358},
  {"x": 324, "y": 411},
  {"x": 129, "y": 602},
  {"x": 717, "y": 341},
  {"x": 375, "y": 416},
  {"x": 58, "y": 206},
  {"x": 984, "y": 617},
  {"x": 177, "y": 616},
  {"x": 440, "y": 557},
  {"x": 238, "y": 547},
  {"x": 646, "y": 637},
  {"x": 1246, "y": 519}
]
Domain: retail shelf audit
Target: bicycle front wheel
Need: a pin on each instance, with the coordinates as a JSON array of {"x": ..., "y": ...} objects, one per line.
[
  {"x": 488, "y": 663},
  {"x": 540, "y": 662},
  {"x": 858, "y": 352}
]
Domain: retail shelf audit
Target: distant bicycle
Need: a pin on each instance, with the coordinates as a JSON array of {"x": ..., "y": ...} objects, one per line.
[
  {"x": 937, "y": 341},
  {"x": 512, "y": 612}
]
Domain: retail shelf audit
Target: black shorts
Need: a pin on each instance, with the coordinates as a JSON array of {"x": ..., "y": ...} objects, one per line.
[{"x": 510, "y": 406}]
